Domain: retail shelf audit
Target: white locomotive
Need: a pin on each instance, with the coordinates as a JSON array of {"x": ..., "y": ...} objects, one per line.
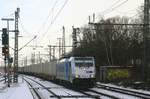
[{"x": 75, "y": 70}]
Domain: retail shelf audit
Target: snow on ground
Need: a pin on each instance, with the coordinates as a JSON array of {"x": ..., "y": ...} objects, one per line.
[
  {"x": 22, "y": 91},
  {"x": 58, "y": 89},
  {"x": 16, "y": 91},
  {"x": 1, "y": 76},
  {"x": 121, "y": 96},
  {"x": 137, "y": 90}
]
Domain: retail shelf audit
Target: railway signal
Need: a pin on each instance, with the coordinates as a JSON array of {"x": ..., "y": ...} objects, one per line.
[
  {"x": 5, "y": 50},
  {"x": 4, "y": 37}
]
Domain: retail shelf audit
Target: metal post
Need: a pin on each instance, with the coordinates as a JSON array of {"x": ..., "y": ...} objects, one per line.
[
  {"x": 59, "y": 40},
  {"x": 39, "y": 57},
  {"x": 53, "y": 52},
  {"x": 16, "y": 46},
  {"x": 26, "y": 61},
  {"x": 63, "y": 42},
  {"x": 146, "y": 35},
  {"x": 74, "y": 37},
  {"x": 5, "y": 68},
  {"x": 7, "y": 57},
  {"x": 50, "y": 52}
]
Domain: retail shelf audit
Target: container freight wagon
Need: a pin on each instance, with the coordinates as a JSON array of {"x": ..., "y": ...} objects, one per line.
[{"x": 46, "y": 70}]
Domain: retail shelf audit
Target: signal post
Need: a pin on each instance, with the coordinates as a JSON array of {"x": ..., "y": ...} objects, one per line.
[{"x": 5, "y": 48}]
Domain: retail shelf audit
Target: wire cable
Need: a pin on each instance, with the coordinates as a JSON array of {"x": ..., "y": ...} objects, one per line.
[
  {"x": 50, "y": 12},
  {"x": 117, "y": 6},
  {"x": 57, "y": 15},
  {"x": 111, "y": 6},
  {"x": 22, "y": 26},
  {"x": 27, "y": 43},
  {"x": 109, "y": 10}
]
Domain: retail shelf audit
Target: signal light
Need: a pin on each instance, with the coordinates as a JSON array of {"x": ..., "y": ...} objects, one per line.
[
  {"x": 5, "y": 50},
  {"x": 4, "y": 36}
]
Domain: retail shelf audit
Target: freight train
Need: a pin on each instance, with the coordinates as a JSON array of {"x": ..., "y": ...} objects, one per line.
[{"x": 75, "y": 70}]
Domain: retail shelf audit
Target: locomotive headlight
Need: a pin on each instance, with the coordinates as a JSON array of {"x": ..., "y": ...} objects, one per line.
[
  {"x": 92, "y": 76},
  {"x": 77, "y": 76}
]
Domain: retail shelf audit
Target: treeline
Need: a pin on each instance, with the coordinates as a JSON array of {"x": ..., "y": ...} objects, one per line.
[{"x": 119, "y": 45}]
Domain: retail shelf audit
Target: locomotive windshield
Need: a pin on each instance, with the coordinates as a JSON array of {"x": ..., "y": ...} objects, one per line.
[
  {"x": 83, "y": 64},
  {"x": 83, "y": 58},
  {"x": 84, "y": 61}
]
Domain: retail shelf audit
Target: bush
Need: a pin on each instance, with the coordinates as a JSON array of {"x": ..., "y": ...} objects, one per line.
[{"x": 117, "y": 74}]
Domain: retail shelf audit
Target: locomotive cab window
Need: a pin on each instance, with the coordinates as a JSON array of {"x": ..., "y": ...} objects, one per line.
[{"x": 84, "y": 64}]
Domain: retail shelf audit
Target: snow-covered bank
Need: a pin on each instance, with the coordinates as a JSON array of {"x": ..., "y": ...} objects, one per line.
[{"x": 16, "y": 91}]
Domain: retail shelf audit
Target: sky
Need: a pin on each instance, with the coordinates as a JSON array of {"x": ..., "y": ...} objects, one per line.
[{"x": 45, "y": 18}]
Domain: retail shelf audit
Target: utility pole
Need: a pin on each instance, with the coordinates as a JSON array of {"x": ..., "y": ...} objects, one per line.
[
  {"x": 53, "y": 48},
  {"x": 146, "y": 35},
  {"x": 63, "y": 42},
  {"x": 74, "y": 37},
  {"x": 39, "y": 57},
  {"x": 93, "y": 17},
  {"x": 25, "y": 61},
  {"x": 50, "y": 53},
  {"x": 59, "y": 40},
  {"x": 7, "y": 57},
  {"x": 33, "y": 58},
  {"x": 16, "y": 46},
  {"x": 54, "y": 52}
]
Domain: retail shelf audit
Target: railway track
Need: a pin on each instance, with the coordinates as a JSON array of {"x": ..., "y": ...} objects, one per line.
[
  {"x": 2, "y": 80},
  {"x": 34, "y": 91},
  {"x": 124, "y": 91},
  {"x": 91, "y": 92},
  {"x": 103, "y": 94},
  {"x": 98, "y": 94},
  {"x": 54, "y": 94}
]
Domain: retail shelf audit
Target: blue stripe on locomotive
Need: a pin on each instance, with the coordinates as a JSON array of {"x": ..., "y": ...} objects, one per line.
[
  {"x": 64, "y": 67},
  {"x": 67, "y": 69}
]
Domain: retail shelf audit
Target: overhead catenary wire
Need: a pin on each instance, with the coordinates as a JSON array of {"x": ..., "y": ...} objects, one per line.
[
  {"x": 112, "y": 8},
  {"x": 43, "y": 25},
  {"x": 9, "y": 15},
  {"x": 50, "y": 13},
  {"x": 46, "y": 20},
  {"x": 117, "y": 6},
  {"x": 23, "y": 28},
  {"x": 128, "y": 12},
  {"x": 27, "y": 43},
  {"x": 57, "y": 15},
  {"x": 104, "y": 10}
]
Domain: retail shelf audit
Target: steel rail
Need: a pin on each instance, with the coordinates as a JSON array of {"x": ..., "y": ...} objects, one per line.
[
  {"x": 35, "y": 91},
  {"x": 44, "y": 87},
  {"x": 63, "y": 96},
  {"x": 124, "y": 91}
]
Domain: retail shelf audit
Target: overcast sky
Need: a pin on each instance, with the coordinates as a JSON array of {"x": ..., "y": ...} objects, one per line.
[{"x": 37, "y": 16}]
